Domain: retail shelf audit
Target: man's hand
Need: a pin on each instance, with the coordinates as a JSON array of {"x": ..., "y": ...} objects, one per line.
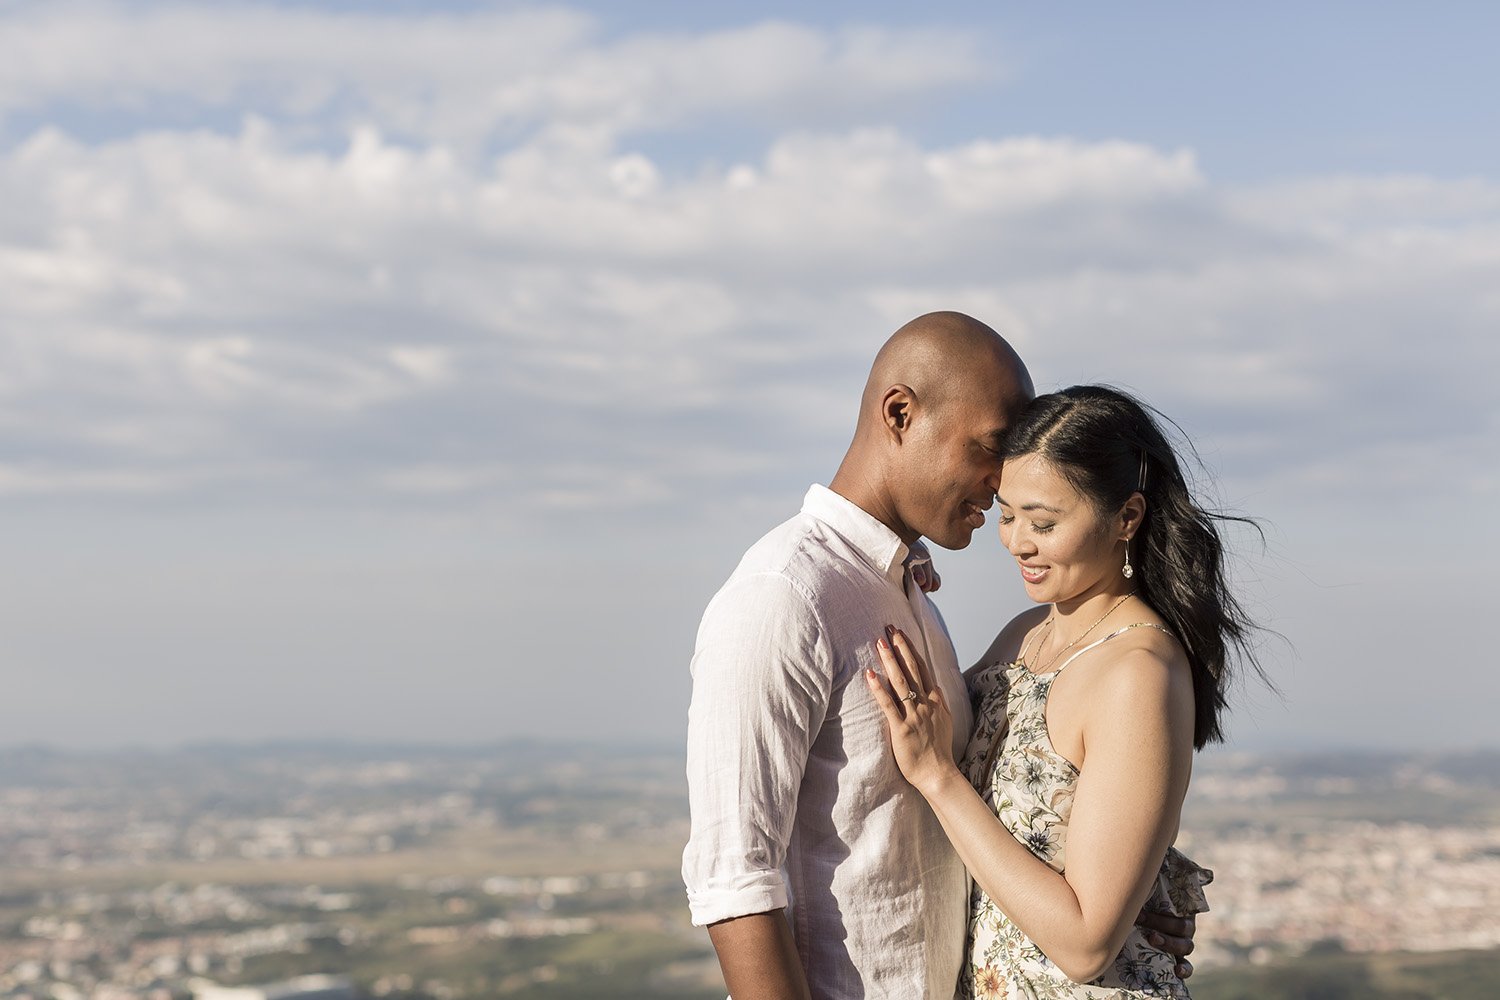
[
  {"x": 919, "y": 565},
  {"x": 1173, "y": 935}
]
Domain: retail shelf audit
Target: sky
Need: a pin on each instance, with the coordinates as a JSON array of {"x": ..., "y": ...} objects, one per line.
[{"x": 415, "y": 372}]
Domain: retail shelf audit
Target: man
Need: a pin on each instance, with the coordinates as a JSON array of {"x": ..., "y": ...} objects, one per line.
[{"x": 818, "y": 870}]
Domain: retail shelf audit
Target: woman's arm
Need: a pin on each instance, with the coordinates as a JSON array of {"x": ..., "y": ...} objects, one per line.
[{"x": 1138, "y": 736}]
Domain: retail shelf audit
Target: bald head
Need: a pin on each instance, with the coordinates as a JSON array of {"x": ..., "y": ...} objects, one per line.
[
  {"x": 925, "y": 460},
  {"x": 941, "y": 357}
]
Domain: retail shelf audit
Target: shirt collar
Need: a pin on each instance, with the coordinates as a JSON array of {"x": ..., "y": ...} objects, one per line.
[{"x": 880, "y": 546}]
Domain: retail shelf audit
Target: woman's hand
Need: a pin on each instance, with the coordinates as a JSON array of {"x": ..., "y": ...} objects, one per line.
[{"x": 920, "y": 723}]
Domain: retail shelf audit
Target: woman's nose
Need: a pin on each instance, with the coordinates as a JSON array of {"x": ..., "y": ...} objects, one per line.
[{"x": 1019, "y": 542}]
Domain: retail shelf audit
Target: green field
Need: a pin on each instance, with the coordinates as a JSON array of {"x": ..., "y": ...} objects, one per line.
[{"x": 1448, "y": 975}]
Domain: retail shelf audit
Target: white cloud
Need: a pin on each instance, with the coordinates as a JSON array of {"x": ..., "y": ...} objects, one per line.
[
  {"x": 1031, "y": 174},
  {"x": 234, "y": 281},
  {"x": 459, "y": 77},
  {"x": 429, "y": 365},
  {"x": 1353, "y": 203},
  {"x": 174, "y": 301},
  {"x": 435, "y": 479}
]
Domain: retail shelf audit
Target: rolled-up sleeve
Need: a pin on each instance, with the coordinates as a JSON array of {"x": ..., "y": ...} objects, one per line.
[{"x": 762, "y": 679}]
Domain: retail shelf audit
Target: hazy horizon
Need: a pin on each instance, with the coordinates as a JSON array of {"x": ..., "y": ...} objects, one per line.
[{"x": 645, "y": 746}]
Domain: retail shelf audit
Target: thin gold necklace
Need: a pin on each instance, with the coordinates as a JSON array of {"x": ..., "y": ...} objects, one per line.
[{"x": 1052, "y": 621}]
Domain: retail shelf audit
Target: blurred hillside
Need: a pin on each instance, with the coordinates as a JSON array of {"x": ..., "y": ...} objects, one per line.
[{"x": 533, "y": 870}]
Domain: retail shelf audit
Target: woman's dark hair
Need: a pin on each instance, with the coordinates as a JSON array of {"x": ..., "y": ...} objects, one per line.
[{"x": 1108, "y": 445}]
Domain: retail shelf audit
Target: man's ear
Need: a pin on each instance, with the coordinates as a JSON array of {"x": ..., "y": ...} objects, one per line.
[{"x": 896, "y": 410}]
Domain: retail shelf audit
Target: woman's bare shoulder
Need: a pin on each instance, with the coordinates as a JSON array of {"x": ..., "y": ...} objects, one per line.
[{"x": 1136, "y": 674}]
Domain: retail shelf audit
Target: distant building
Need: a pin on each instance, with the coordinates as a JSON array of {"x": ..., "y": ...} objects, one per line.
[{"x": 300, "y": 988}]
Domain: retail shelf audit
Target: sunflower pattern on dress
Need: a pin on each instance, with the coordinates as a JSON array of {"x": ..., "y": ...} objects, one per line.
[{"x": 1030, "y": 787}]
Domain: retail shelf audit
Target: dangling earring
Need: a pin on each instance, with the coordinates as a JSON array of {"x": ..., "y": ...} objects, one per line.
[{"x": 1129, "y": 570}]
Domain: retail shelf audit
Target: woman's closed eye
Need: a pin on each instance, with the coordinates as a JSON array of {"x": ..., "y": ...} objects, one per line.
[{"x": 1039, "y": 527}]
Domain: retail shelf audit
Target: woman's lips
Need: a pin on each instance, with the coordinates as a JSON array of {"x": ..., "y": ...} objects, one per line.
[{"x": 1032, "y": 574}]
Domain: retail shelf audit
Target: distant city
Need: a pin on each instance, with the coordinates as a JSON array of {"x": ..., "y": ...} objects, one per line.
[{"x": 529, "y": 870}]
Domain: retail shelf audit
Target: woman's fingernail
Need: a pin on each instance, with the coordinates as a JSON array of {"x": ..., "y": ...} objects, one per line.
[{"x": 882, "y": 644}]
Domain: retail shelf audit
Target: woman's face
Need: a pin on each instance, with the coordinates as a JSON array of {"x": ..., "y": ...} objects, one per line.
[{"x": 1065, "y": 548}]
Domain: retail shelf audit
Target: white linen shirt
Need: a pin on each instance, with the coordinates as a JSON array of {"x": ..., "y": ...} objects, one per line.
[{"x": 796, "y": 799}]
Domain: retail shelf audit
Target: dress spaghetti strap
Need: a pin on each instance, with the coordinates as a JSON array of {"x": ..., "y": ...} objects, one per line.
[
  {"x": 1021, "y": 656},
  {"x": 1099, "y": 642}
]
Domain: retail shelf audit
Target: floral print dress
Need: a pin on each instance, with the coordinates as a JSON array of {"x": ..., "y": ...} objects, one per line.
[{"x": 1030, "y": 787}]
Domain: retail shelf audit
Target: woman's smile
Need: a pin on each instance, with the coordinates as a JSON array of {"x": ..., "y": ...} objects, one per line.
[{"x": 1032, "y": 574}]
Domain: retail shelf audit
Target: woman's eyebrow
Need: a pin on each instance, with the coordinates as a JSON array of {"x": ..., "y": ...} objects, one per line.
[{"x": 1030, "y": 506}]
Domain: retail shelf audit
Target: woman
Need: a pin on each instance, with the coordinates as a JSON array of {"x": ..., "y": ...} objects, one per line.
[{"x": 1087, "y": 710}]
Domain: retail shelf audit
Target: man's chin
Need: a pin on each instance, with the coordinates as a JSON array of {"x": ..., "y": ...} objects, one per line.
[{"x": 958, "y": 540}]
